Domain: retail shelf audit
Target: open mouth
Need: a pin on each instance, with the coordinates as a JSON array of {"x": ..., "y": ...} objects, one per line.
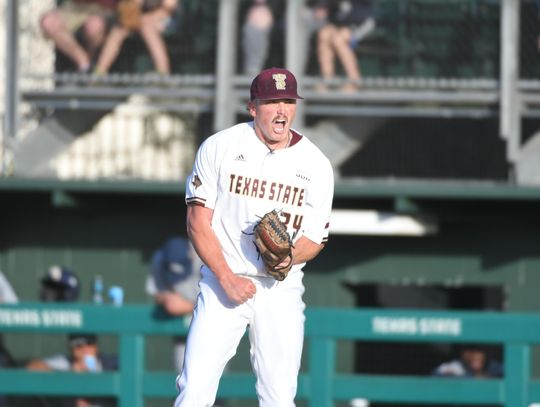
[{"x": 279, "y": 126}]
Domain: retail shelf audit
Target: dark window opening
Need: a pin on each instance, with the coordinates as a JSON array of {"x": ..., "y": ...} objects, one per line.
[{"x": 419, "y": 359}]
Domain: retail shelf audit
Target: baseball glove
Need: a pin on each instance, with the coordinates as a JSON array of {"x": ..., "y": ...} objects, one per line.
[
  {"x": 274, "y": 245},
  {"x": 129, "y": 14}
]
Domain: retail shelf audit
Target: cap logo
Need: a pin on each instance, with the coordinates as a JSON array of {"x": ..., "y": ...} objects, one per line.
[
  {"x": 274, "y": 84},
  {"x": 279, "y": 78}
]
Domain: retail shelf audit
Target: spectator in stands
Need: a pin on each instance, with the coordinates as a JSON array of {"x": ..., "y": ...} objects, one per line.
[
  {"x": 59, "y": 284},
  {"x": 314, "y": 16},
  {"x": 260, "y": 24},
  {"x": 85, "y": 17},
  {"x": 348, "y": 22},
  {"x": 83, "y": 356},
  {"x": 154, "y": 19},
  {"x": 473, "y": 361},
  {"x": 173, "y": 283},
  {"x": 256, "y": 36},
  {"x": 7, "y": 296}
]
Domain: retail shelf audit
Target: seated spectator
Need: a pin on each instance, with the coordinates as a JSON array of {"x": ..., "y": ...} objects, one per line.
[
  {"x": 348, "y": 22},
  {"x": 314, "y": 16},
  {"x": 154, "y": 19},
  {"x": 173, "y": 282},
  {"x": 59, "y": 284},
  {"x": 88, "y": 16},
  {"x": 256, "y": 36},
  {"x": 83, "y": 356},
  {"x": 473, "y": 361}
]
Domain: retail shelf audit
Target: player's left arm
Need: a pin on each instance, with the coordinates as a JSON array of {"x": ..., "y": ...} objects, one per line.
[
  {"x": 316, "y": 221},
  {"x": 305, "y": 249}
]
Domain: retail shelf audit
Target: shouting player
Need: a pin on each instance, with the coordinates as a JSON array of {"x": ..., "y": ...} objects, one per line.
[{"x": 239, "y": 175}]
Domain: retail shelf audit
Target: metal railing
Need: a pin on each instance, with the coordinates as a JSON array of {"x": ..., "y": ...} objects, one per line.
[{"x": 320, "y": 384}]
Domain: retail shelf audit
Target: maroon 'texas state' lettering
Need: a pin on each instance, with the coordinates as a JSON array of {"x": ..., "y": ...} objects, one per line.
[{"x": 263, "y": 189}]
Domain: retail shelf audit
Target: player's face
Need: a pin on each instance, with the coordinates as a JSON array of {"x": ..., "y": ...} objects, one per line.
[
  {"x": 273, "y": 120},
  {"x": 80, "y": 351}
]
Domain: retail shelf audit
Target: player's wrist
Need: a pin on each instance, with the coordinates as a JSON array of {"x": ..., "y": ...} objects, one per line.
[{"x": 223, "y": 275}]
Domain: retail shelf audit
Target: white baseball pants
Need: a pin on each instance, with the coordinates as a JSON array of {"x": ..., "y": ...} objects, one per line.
[{"x": 275, "y": 316}]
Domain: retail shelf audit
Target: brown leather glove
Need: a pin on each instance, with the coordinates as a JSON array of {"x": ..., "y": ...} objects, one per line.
[{"x": 274, "y": 245}]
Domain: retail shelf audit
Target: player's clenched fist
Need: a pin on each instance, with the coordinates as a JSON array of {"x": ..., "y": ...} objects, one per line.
[{"x": 238, "y": 289}]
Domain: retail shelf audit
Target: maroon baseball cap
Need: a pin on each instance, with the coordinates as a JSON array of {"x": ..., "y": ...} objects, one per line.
[{"x": 274, "y": 83}]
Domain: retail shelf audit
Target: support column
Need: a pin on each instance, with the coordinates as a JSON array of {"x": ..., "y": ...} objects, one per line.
[
  {"x": 11, "y": 96},
  {"x": 517, "y": 374},
  {"x": 294, "y": 53},
  {"x": 510, "y": 103},
  {"x": 132, "y": 370},
  {"x": 295, "y": 49},
  {"x": 225, "y": 101}
]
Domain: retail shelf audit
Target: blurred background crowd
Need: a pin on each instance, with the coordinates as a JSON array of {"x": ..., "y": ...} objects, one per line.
[{"x": 96, "y": 90}]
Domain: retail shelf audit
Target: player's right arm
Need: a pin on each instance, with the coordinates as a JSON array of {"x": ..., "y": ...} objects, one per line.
[{"x": 199, "y": 228}]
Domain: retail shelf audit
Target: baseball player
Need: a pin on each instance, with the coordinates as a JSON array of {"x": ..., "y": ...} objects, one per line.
[{"x": 239, "y": 175}]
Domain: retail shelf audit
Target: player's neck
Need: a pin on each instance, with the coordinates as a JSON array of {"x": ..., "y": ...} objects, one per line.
[{"x": 276, "y": 146}]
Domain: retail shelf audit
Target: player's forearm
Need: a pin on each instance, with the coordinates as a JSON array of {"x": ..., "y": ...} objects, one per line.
[
  {"x": 179, "y": 308},
  {"x": 305, "y": 249},
  {"x": 209, "y": 250},
  {"x": 38, "y": 364},
  {"x": 205, "y": 241},
  {"x": 174, "y": 303}
]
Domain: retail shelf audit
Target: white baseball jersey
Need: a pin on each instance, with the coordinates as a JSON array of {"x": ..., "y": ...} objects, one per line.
[{"x": 240, "y": 179}]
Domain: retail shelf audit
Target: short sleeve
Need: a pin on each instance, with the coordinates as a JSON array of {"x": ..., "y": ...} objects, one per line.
[
  {"x": 58, "y": 362},
  {"x": 318, "y": 203},
  {"x": 201, "y": 184}
]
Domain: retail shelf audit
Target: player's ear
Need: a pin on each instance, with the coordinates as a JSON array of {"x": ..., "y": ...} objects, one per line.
[{"x": 251, "y": 108}]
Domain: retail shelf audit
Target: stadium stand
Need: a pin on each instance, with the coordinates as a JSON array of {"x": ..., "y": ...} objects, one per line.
[{"x": 424, "y": 60}]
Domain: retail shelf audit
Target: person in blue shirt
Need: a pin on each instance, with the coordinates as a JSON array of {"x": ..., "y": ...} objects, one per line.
[{"x": 473, "y": 361}]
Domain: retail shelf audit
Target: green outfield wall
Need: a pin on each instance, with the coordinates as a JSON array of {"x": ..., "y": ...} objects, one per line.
[
  {"x": 487, "y": 241},
  {"x": 320, "y": 383}
]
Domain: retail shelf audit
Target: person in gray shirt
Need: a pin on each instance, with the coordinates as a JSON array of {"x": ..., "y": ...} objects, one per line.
[
  {"x": 173, "y": 282},
  {"x": 83, "y": 356}
]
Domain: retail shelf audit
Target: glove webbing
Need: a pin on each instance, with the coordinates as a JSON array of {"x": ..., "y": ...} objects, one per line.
[{"x": 281, "y": 232}]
